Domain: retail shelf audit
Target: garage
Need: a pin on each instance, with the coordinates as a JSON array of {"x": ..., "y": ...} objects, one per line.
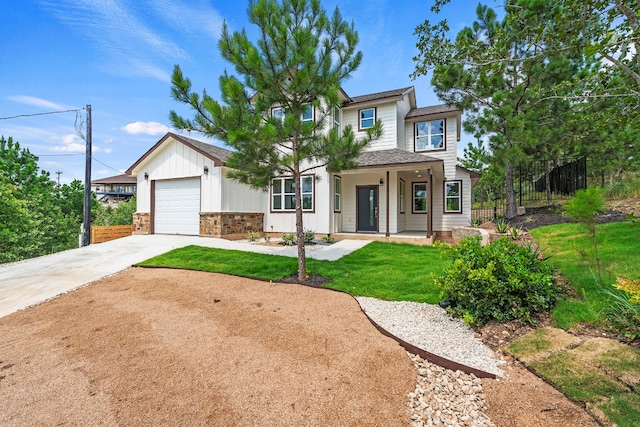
[{"x": 177, "y": 206}]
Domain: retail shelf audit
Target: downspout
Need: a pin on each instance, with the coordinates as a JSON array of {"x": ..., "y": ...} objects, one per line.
[{"x": 387, "y": 207}]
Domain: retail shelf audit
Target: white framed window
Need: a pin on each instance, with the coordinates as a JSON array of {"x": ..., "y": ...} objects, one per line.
[
  {"x": 419, "y": 195},
  {"x": 453, "y": 197},
  {"x": 283, "y": 197},
  {"x": 367, "y": 118},
  {"x": 337, "y": 193},
  {"x": 401, "y": 196},
  {"x": 278, "y": 113},
  {"x": 336, "y": 119},
  {"x": 307, "y": 114},
  {"x": 430, "y": 135}
]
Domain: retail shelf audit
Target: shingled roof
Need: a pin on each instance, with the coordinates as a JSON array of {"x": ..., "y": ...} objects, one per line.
[
  {"x": 117, "y": 179},
  {"x": 392, "y": 157},
  {"x": 432, "y": 110},
  {"x": 389, "y": 94}
]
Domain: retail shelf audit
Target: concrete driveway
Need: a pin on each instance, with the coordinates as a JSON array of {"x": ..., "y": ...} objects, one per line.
[{"x": 33, "y": 281}]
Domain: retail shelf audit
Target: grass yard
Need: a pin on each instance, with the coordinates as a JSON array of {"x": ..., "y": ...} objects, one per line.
[
  {"x": 389, "y": 271},
  {"x": 571, "y": 251}
]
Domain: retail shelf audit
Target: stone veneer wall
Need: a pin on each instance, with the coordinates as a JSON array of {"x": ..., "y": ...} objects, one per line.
[
  {"x": 218, "y": 224},
  {"x": 141, "y": 223}
]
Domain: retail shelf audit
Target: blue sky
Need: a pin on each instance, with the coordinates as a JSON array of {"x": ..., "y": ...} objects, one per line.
[{"x": 118, "y": 55}]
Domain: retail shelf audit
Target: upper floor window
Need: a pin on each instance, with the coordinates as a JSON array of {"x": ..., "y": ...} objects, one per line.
[
  {"x": 307, "y": 114},
  {"x": 453, "y": 197},
  {"x": 278, "y": 113},
  {"x": 367, "y": 118},
  {"x": 283, "y": 197},
  {"x": 430, "y": 135},
  {"x": 336, "y": 119}
]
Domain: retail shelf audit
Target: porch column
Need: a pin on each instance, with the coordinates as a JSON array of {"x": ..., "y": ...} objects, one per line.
[
  {"x": 429, "y": 203},
  {"x": 387, "y": 232}
]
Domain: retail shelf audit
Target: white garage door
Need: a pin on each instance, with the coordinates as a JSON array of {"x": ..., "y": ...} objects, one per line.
[{"x": 177, "y": 207}]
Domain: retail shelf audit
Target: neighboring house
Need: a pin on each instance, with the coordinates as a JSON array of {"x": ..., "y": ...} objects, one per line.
[
  {"x": 407, "y": 181},
  {"x": 119, "y": 188}
]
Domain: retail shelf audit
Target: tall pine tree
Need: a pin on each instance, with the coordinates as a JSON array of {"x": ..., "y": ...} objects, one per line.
[{"x": 277, "y": 115}]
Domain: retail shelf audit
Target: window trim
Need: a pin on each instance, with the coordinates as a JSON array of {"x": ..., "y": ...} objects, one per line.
[
  {"x": 282, "y": 179},
  {"x": 413, "y": 197},
  {"x": 375, "y": 114},
  {"x": 444, "y": 195},
  {"x": 336, "y": 119},
  {"x": 444, "y": 136},
  {"x": 273, "y": 109},
  {"x": 402, "y": 196},
  {"x": 337, "y": 194}
]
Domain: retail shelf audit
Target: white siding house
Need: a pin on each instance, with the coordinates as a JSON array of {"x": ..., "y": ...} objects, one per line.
[{"x": 406, "y": 181}]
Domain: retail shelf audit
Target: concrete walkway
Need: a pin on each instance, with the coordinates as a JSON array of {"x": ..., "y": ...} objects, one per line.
[{"x": 33, "y": 281}]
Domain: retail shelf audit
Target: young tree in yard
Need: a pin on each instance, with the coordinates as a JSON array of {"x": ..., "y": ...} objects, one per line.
[{"x": 276, "y": 116}]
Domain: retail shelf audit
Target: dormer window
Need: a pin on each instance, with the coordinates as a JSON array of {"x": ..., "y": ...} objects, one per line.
[
  {"x": 429, "y": 135},
  {"x": 367, "y": 118}
]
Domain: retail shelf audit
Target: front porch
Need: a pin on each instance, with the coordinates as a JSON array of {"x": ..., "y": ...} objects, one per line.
[{"x": 412, "y": 237}]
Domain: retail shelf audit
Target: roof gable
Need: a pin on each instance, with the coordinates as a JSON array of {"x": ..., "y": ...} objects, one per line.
[
  {"x": 386, "y": 96},
  {"x": 218, "y": 155}
]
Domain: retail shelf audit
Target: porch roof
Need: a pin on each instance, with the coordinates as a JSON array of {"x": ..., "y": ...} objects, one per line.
[{"x": 393, "y": 157}]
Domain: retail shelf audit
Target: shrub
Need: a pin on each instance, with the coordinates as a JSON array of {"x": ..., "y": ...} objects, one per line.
[
  {"x": 288, "y": 239},
  {"x": 309, "y": 236},
  {"x": 501, "y": 226},
  {"x": 502, "y": 281},
  {"x": 623, "y": 311},
  {"x": 329, "y": 239},
  {"x": 253, "y": 236}
]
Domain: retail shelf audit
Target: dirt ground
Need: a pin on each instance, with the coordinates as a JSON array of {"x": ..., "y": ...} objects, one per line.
[{"x": 166, "y": 347}]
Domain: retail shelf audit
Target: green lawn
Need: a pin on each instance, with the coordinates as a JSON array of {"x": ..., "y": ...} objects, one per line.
[
  {"x": 397, "y": 272},
  {"x": 571, "y": 251}
]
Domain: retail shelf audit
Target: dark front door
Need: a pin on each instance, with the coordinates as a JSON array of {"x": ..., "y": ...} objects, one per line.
[{"x": 367, "y": 208}]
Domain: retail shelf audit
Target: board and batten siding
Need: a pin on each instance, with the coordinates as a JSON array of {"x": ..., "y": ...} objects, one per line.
[
  {"x": 387, "y": 113},
  {"x": 450, "y": 155}
]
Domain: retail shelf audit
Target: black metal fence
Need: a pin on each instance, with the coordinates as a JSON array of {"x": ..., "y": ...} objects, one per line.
[{"x": 538, "y": 183}]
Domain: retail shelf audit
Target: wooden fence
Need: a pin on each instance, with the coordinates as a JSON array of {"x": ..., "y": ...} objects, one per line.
[{"x": 101, "y": 234}]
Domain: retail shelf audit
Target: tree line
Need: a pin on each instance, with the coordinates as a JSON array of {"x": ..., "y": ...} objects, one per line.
[
  {"x": 549, "y": 79},
  {"x": 37, "y": 216}
]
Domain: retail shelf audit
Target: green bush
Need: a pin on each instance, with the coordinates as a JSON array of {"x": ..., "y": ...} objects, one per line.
[
  {"x": 288, "y": 239},
  {"x": 309, "y": 236},
  {"x": 502, "y": 281}
]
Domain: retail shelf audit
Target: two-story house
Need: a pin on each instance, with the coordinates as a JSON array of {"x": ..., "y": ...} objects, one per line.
[
  {"x": 114, "y": 189},
  {"x": 407, "y": 181}
]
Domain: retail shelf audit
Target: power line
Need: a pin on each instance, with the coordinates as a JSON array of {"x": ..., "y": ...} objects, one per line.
[{"x": 41, "y": 114}]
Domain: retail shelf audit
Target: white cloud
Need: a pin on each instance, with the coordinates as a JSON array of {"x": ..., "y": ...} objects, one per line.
[
  {"x": 72, "y": 143},
  {"x": 147, "y": 128},
  {"x": 37, "y": 102}
]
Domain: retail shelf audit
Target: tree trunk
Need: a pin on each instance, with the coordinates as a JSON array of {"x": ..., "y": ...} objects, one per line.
[
  {"x": 547, "y": 181},
  {"x": 510, "y": 191},
  {"x": 302, "y": 264}
]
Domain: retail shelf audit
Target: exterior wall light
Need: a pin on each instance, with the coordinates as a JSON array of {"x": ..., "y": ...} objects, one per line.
[
  {"x": 381, "y": 182},
  {"x": 206, "y": 170},
  {"x": 146, "y": 176}
]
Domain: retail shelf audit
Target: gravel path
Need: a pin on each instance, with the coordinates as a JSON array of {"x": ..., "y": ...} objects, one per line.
[{"x": 430, "y": 328}]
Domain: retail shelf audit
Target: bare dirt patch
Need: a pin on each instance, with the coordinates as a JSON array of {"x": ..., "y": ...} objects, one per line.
[
  {"x": 169, "y": 347},
  {"x": 158, "y": 347}
]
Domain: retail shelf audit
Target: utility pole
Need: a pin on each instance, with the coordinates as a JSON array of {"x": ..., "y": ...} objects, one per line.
[
  {"x": 58, "y": 173},
  {"x": 86, "y": 240}
]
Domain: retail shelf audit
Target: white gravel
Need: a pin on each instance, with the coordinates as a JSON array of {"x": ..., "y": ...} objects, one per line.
[{"x": 430, "y": 328}]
